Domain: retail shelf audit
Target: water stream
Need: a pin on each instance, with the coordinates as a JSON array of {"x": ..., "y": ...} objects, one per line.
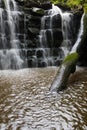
[{"x": 27, "y": 104}]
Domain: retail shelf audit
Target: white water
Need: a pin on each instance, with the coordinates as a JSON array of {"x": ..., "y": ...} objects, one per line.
[
  {"x": 74, "y": 48},
  {"x": 66, "y": 28},
  {"x": 43, "y": 42},
  {"x": 9, "y": 52},
  {"x": 47, "y": 26}
]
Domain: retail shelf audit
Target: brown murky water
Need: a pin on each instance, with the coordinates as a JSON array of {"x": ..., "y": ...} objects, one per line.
[{"x": 27, "y": 104}]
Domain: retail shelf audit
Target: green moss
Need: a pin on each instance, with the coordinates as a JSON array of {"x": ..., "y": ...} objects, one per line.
[
  {"x": 71, "y": 58},
  {"x": 40, "y": 11},
  {"x": 85, "y": 7},
  {"x": 54, "y": 1},
  {"x": 58, "y": 1},
  {"x": 75, "y": 2},
  {"x": 72, "y": 3}
]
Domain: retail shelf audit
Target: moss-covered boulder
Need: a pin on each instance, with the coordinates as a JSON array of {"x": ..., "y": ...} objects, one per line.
[{"x": 66, "y": 68}]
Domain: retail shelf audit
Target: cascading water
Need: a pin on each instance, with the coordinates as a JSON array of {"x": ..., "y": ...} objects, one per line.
[
  {"x": 65, "y": 70},
  {"x": 75, "y": 47},
  {"x": 43, "y": 42},
  {"x": 19, "y": 48},
  {"x": 10, "y": 55},
  {"x": 47, "y": 33}
]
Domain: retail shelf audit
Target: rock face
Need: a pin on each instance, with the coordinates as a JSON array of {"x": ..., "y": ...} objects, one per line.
[
  {"x": 30, "y": 34},
  {"x": 82, "y": 50},
  {"x": 50, "y": 53}
]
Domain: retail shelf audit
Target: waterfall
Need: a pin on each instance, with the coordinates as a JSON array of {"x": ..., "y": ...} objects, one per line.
[
  {"x": 74, "y": 48},
  {"x": 47, "y": 28},
  {"x": 66, "y": 18},
  {"x": 25, "y": 44},
  {"x": 10, "y": 57},
  {"x": 65, "y": 69},
  {"x": 43, "y": 42}
]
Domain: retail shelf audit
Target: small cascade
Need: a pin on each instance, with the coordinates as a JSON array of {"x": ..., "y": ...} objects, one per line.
[
  {"x": 74, "y": 48},
  {"x": 10, "y": 52},
  {"x": 65, "y": 69},
  {"x": 50, "y": 30},
  {"x": 44, "y": 42}
]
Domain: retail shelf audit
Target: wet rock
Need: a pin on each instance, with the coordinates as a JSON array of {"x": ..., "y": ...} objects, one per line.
[
  {"x": 32, "y": 61},
  {"x": 76, "y": 24},
  {"x": 58, "y": 37},
  {"x": 20, "y": 2},
  {"x": 34, "y": 21},
  {"x": 57, "y": 52},
  {"x": 37, "y": 11},
  {"x": 7, "y": 28},
  {"x": 2, "y": 5},
  {"x": 46, "y": 5},
  {"x": 42, "y": 63},
  {"x": 57, "y": 61},
  {"x": 33, "y": 31},
  {"x": 40, "y": 53},
  {"x": 30, "y": 52},
  {"x": 54, "y": 37},
  {"x": 56, "y": 22}
]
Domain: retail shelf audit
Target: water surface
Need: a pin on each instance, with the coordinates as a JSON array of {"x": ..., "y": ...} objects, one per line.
[{"x": 27, "y": 104}]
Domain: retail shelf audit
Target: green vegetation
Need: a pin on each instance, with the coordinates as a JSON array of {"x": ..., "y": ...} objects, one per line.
[
  {"x": 72, "y": 3},
  {"x": 85, "y": 7},
  {"x": 71, "y": 58},
  {"x": 58, "y": 1}
]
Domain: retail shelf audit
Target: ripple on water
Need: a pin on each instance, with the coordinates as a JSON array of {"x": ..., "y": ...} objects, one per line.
[{"x": 27, "y": 104}]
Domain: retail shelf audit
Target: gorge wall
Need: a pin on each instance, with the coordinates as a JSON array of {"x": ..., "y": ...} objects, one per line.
[{"x": 31, "y": 21}]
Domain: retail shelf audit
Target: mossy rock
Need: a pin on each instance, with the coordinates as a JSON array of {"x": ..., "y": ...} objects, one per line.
[{"x": 71, "y": 58}]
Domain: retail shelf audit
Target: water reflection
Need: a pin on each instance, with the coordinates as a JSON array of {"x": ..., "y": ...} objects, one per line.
[{"x": 27, "y": 104}]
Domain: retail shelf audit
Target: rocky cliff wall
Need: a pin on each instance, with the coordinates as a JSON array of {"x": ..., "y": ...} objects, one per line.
[{"x": 29, "y": 32}]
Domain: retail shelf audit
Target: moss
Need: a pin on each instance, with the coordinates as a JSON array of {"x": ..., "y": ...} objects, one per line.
[
  {"x": 71, "y": 58},
  {"x": 40, "y": 11},
  {"x": 85, "y": 7},
  {"x": 72, "y": 3},
  {"x": 58, "y": 1}
]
